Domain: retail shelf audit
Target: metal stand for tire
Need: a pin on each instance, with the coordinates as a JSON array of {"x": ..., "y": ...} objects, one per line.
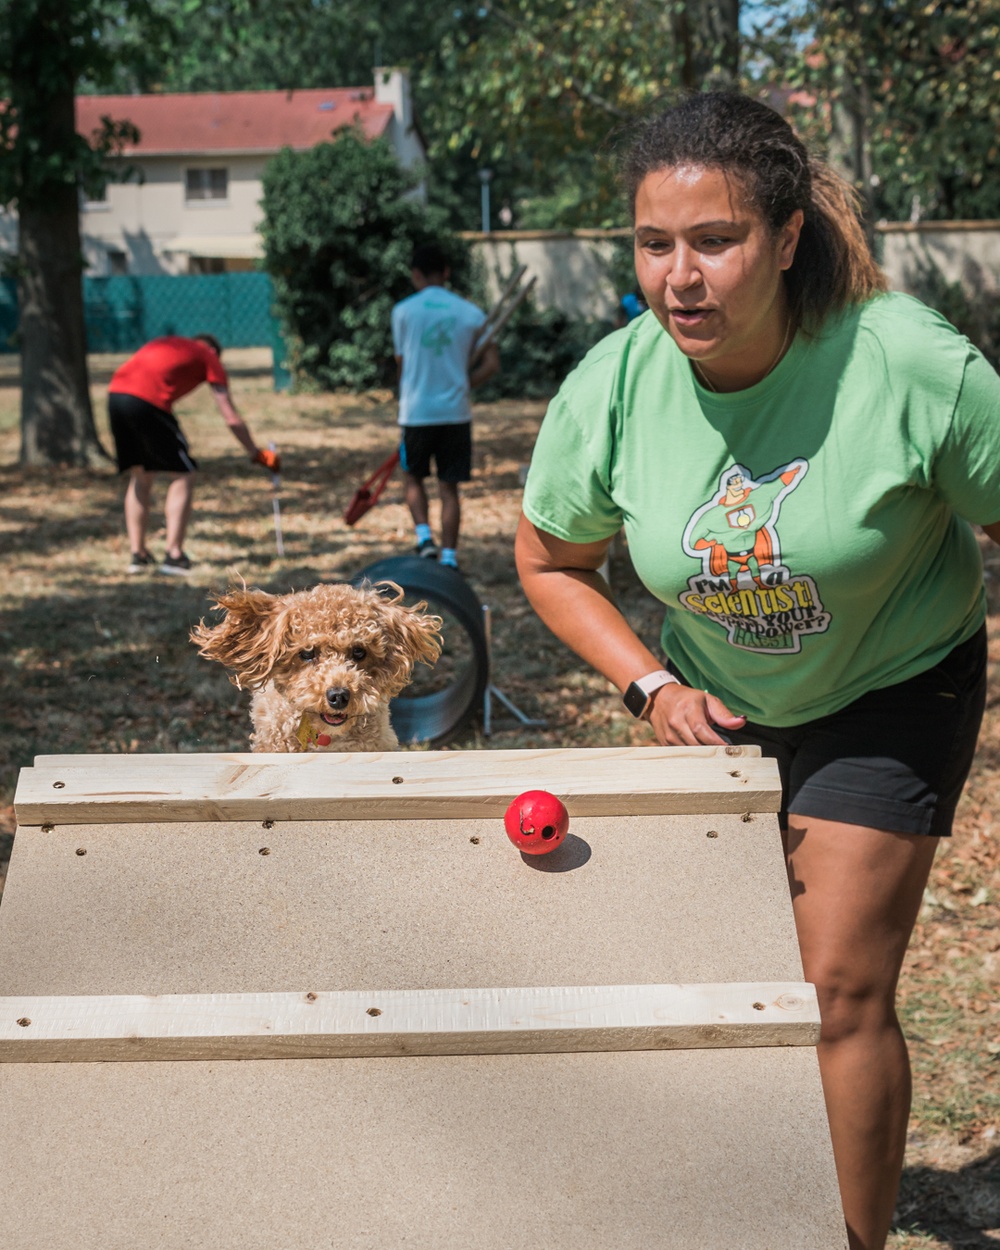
[
  {"x": 440, "y": 715},
  {"x": 493, "y": 692}
]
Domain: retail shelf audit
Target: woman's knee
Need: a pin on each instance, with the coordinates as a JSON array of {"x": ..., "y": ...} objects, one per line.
[{"x": 852, "y": 1004}]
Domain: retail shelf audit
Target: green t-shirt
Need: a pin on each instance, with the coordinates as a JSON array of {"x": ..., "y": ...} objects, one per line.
[{"x": 809, "y": 536}]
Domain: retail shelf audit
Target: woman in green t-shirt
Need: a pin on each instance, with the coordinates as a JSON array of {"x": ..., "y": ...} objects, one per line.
[{"x": 797, "y": 457}]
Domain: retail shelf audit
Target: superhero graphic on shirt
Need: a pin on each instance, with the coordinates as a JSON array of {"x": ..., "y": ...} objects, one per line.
[{"x": 743, "y": 585}]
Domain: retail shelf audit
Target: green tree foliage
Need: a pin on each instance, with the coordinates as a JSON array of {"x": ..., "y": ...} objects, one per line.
[
  {"x": 905, "y": 96},
  {"x": 541, "y": 83},
  {"x": 340, "y": 225},
  {"x": 258, "y": 45}
]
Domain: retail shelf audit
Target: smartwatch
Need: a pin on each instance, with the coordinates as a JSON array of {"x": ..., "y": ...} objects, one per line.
[{"x": 639, "y": 695}]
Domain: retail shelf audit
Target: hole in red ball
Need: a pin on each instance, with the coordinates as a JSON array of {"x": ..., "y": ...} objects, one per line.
[{"x": 549, "y": 831}]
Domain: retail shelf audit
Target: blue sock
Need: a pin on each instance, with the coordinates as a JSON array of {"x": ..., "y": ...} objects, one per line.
[
  {"x": 448, "y": 556},
  {"x": 423, "y": 533}
]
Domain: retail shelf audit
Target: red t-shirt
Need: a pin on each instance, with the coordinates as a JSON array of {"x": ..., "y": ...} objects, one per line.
[{"x": 166, "y": 369}]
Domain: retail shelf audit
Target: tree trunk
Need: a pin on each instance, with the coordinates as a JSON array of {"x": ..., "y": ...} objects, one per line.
[{"x": 57, "y": 422}]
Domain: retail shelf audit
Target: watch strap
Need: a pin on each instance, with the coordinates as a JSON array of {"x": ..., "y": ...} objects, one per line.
[{"x": 639, "y": 694}]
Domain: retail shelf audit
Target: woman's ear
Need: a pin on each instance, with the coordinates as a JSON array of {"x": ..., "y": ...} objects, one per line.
[
  {"x": 249, "y": 639},
  {"x": 788, "y": 239}
]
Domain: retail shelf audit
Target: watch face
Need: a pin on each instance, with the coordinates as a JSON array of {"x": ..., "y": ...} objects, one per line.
[{"x": 635, "y": 700}]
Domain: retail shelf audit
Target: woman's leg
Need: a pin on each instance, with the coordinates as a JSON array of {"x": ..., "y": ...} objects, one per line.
[{"x": 856, "y": 892}]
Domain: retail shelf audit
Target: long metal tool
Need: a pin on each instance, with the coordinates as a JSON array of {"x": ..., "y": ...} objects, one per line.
[
  {"x": 512, "y": 296},
  {"x": 275, "y": 488}
]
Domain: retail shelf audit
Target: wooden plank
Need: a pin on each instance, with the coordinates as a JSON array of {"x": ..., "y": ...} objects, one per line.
[
  {"x": 363, "y": 1024},
  {"x": 396, "y": 786},
  {"x": 182, "y": 759}
]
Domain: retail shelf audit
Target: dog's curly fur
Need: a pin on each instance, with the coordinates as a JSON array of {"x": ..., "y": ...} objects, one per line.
[{"x": 335, "y": 654}]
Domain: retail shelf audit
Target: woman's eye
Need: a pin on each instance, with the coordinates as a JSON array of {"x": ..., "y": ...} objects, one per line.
[
  {"x": 358, "y": 654},
  {"x": 308, "y": 655}
]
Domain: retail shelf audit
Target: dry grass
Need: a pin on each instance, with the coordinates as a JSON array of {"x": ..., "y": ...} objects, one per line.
[{"x": 95, "y": 660}]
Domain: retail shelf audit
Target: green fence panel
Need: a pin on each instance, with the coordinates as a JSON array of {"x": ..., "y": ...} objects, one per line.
[
  {"x": 8, "y": 315},
  {"x": 123, "y": 312}
]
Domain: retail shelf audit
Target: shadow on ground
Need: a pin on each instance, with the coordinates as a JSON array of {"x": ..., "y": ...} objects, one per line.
[{"x": 961, "y": 1209}]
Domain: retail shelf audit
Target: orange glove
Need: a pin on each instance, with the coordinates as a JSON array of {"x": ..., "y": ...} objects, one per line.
[{"x": 269, "y": 459}]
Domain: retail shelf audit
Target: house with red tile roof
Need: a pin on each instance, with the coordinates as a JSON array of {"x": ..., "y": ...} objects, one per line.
[{"x": 194, "y": 207}]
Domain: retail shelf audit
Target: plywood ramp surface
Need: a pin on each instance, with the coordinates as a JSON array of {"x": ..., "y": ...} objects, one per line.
[
  {"x": 708, "y": 1149},
  {"x": 196, "y": 908},
  {"x": 677, "y": 1150},
  {"x": 393, "y": 785}
]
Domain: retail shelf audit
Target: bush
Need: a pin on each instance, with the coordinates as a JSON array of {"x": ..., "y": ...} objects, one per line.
[
  {"x": 339, "y": 229},
  {"x": 538, "y": 348}
]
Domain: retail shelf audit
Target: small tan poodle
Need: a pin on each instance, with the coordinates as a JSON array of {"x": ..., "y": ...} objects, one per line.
[{"x": 323, "y": 663}]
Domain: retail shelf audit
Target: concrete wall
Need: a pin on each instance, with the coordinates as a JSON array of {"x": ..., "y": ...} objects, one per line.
[
  {"x": 573, "y": 269},
  {"x": 962, "y": 251}
]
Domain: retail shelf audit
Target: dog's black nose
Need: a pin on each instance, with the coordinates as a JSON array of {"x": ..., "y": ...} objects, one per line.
[{"x": 338, "y": 698}]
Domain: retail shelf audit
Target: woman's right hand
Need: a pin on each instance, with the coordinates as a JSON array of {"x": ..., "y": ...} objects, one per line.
[{"x": 683, "y": 716}]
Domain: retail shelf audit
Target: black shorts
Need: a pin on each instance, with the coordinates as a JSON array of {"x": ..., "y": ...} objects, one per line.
[
  {"x": 895, "y": 759},
  {"x": 147, "y": 437},
  {"x": 450, "y": 445}
]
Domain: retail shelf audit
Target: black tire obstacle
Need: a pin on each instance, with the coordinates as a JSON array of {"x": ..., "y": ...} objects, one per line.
[{"x": 443, "y": 713}]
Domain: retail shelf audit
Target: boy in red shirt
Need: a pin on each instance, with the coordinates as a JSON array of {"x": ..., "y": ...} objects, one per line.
[{"x": 149, "y": 439}]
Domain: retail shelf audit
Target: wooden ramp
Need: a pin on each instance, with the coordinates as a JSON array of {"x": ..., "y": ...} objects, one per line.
[{"x": 293, "y": 1002}]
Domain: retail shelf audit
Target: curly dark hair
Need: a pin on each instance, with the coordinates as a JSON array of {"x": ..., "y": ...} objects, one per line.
[{"x": 725, "y": 130}]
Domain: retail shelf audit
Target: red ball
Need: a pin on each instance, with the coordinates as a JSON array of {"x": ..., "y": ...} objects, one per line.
[{"x": 536, "y": 822}]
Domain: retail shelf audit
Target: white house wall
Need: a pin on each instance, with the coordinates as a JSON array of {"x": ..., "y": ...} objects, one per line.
[{"x": 147, "y": 220}]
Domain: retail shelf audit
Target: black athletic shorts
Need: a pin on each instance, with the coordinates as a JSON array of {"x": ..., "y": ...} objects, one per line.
[
  {"x": 147, "y": 437},
  {"x": 895, "y": 759},
  {"x": 450, "y": 445}
]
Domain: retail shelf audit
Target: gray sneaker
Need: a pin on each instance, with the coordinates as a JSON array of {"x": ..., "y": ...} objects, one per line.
[
  {"x": 427, "y": 549},
  {"x": 141, "y": 560}
]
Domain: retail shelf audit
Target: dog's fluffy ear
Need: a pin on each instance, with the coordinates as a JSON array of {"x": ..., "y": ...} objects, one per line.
[
  {"x": 249, "y": 639},
  {"x": 414, "y": 635}
]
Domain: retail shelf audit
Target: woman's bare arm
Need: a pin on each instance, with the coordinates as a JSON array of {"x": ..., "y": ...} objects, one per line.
[{"x": 564, "y": 587}]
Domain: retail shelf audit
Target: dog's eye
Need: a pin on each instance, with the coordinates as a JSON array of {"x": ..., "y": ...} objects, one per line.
[
  {"x": 358, "y": 654},
  {"x": 308, "y": 655}
]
